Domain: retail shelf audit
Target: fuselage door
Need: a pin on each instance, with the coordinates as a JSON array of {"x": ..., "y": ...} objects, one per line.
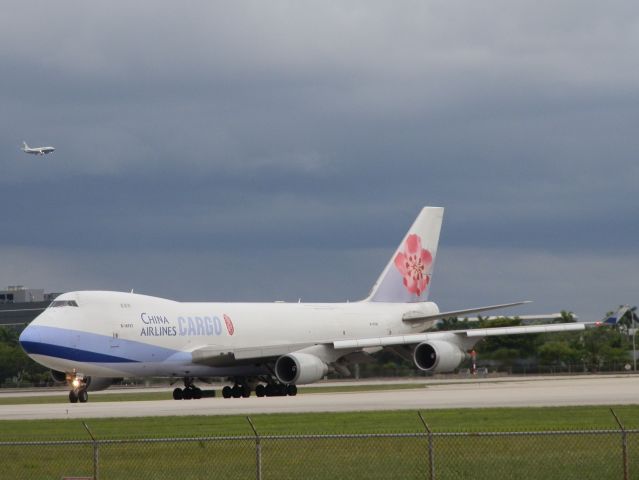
[{"x": 115, "y": 341}]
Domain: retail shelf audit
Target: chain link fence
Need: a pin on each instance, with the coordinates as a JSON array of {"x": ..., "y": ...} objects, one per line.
[{"x": 596, "y": 454}]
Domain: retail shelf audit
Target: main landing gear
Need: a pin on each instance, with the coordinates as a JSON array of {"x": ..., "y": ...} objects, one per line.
[
  {"x": 237, "y": 391},
  {"x": 276, "y": 390},
  {"x": 241, "y": 388},
  {"x": 189, "y": 392}
]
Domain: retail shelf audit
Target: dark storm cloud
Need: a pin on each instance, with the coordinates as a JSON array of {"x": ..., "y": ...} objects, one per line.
[{"x": 258, "y": 128}]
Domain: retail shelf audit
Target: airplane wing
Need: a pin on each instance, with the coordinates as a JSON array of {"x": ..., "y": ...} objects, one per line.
[
  {"x": 218, "y": 357},
  {"x": 476, "y": 333}
]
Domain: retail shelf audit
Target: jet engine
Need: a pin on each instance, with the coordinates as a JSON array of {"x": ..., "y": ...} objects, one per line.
[
  {"x": 58, "y": 377},
  {"x": 438, "y": 356},
  {"x": 100, "y": 383},
  {"x": 299, "y": 368}
]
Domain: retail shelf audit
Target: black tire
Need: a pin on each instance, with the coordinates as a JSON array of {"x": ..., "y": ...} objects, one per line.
[
  {"x": 187, "y": 394},
  {"x": 83, "y": 396},
  {"x": 197, "y": 393},
  {"x": 246, "y": 391},
  {"x": 291, "y": 390},
  {"x": 269, "y": 390},
  {"x": 236, "y": 391},
  {"x": 260, "y": 390},
  {"x": 227, "y": 392},
  {"x": 177, "y": 394},
  {"x": 73, "y": 397}
]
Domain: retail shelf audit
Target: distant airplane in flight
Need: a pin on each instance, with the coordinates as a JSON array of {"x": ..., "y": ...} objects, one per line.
[
  {"x": 36, "y": 150},
  {"x": 91, "y": 338}
]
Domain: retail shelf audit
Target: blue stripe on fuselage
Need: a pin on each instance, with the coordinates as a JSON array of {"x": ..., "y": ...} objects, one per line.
[
  {"x": 89, "y": 347},
  {"x": 68, "y": 353}
]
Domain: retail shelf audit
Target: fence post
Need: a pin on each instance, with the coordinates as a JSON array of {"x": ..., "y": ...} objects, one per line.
[
  {"x": 624, "y": 446},
  {"x": 258, "y": 451},
  {"x": 431, "y": 448},
  {"x": 95, "y": 452}
]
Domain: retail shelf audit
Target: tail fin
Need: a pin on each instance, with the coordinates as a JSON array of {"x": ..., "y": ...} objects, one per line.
[
  {"x": 407, "y": 276},
  {"x": 25, "y": 145},
  {"x": 615, "y": 317}
]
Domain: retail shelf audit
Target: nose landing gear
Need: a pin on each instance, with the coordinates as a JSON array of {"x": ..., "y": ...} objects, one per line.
[{"x": 79, "y": 385}]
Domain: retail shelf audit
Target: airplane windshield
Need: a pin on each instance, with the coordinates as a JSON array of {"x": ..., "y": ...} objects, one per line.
[{"x": 63, "y": 303}]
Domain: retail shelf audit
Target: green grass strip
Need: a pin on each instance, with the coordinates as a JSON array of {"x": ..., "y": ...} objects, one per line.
[{"x": 453, "y": 420}]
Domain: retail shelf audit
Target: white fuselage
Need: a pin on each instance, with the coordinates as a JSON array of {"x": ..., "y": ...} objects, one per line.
[
  {"x": 38, "y": 150},
  {"x": 113, "y": 334}
]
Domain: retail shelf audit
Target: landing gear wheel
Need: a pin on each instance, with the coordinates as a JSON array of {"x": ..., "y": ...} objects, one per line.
[
  {"x": 197, "y": 393},
  {"x": 236, "y": 392},
  {"x": 246, "y": 391},
  {"x": 83, "y": 396},
  {"x": 187, "y": 394},
  {"x": 275, "y": 390},
  {"x": 177, "y": 394},
  {"x": 260, "y": 390},
  {"x": 73, "y": 397},
  {"x": 227, "y": 392},
  {"x": 291, "y": 390}
]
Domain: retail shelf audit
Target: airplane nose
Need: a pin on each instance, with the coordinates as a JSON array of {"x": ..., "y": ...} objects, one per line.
[{"x": 28, "y": 338}]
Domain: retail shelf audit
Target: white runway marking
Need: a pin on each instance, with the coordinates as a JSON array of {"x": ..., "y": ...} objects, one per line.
[{"x": 514, "y": 392}]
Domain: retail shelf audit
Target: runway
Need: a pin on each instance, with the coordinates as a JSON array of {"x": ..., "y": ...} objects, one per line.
[{"x": 509, "y": 392}]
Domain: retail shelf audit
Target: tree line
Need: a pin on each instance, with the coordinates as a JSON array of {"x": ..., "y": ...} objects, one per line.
[{"x": 593, "y": 349}]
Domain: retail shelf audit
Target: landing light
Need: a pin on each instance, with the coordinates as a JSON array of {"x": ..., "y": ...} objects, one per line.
[{"x": 75, "y": 383}]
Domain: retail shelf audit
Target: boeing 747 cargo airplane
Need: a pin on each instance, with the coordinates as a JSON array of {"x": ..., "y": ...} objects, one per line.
[
  {"x": 36, "y": 150},
  {"x": 90, "y": 338}
]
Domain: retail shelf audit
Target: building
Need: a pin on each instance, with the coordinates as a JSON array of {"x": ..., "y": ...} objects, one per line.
[
  {"x": 20, "y": 294},
  {"x": 19, "y": 305}
]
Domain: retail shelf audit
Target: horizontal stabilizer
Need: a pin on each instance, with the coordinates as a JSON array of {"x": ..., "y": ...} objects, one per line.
[{"x": 412, "y": 317}]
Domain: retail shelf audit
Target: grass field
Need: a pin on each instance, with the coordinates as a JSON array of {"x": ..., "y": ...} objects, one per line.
[
  {"x": 457, "y": 420},
  {"x": 562, "y": 456}
]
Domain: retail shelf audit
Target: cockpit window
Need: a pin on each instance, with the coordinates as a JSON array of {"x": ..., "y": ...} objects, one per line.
[{"x": 63, "y": 303}]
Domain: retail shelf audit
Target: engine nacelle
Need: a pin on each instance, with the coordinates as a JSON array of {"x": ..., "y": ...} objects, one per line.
[
  {"x": 99, "y": 383},
  {"x": 438, "y": 356},
  {"x": 299, "y": 368},
  {"x": 58, "y": 377}
]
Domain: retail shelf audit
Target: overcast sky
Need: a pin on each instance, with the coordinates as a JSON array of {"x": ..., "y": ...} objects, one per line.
[{"x": 280, "y": 150}]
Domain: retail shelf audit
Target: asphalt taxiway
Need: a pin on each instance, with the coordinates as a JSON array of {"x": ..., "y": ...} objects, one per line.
[{"x": 511, "y": 392}]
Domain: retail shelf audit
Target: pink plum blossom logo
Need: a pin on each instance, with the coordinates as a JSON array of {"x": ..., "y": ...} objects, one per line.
[
  {"x": 229, "y": 324},
  {"x": 414, "y": 264}
]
